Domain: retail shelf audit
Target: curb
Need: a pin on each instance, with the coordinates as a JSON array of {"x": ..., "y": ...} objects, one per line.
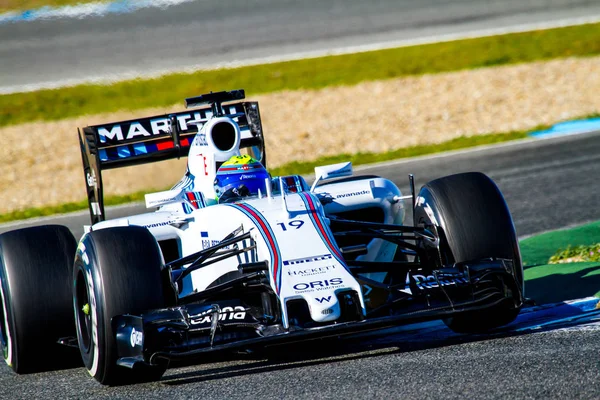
[
  {"x": 86, "y": 10},
  {"x": 572, "y": 127}
]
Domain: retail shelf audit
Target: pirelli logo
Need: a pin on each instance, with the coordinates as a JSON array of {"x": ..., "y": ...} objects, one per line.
[{"x": 308, "y": 259}]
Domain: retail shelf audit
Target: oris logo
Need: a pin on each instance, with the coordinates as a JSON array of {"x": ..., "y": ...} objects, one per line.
[{"x": 319, "y": 285}]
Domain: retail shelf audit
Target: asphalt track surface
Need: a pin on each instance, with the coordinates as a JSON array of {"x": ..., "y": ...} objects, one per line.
[
  {"x": 548, "y": 184},
  {"x": 200, "y": 34}
]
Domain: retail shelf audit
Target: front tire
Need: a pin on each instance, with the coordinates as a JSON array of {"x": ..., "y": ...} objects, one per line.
[
  {"x": 35, "y": 293},
  {"x": 117, "y": 271},
  {"x": 473, "y": 222}
]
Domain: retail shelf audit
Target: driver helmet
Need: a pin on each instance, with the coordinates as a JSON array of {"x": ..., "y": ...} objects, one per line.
[{"x": 238, "y": 177}]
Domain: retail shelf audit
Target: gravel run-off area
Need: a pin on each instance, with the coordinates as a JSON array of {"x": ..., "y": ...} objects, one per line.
[{"x": 42, "y": 163}]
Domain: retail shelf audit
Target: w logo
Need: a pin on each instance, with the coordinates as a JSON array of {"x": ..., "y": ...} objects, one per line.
[{"x": 323, "y": 299}]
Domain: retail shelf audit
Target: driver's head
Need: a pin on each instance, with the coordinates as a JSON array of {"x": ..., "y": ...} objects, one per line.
[{"x": 240, "y": 176}]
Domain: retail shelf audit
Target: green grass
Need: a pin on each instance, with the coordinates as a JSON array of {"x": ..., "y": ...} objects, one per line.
[
  {"x": 583, "y": 40},
  {"x": 293, "y": 168},
  {"x": 539, "y": 249},
  {"x": 551, "y": 283},
  {"x": 68, "y": 207},
  {"x": 22, "y": 5},
  {"x": 580, "y": 253}
]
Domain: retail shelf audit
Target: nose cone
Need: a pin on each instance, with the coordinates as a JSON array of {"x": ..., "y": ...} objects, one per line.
[{"x": 323, "y": 307}]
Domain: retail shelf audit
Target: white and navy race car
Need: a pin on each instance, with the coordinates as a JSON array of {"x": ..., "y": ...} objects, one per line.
[{"x": 199, "y": 273}]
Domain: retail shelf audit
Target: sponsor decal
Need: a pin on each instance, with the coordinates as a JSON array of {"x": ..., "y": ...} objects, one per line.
[
  {"x": 91, "y": 179},
  {"x": 327, "y": 311},
  {"x": 118, "y": 132},
  {"x": 420, "y": 201},
  {"x": 430, "y": 282},
  {"x": 343, "y": 171},
  {"x": 323, "y": 299},
  {"x": 206, "y": 243},
  {"x": 200, "y": 139},
  {"x": 311, "y": 271},
  {"x": 352, "y": 194},
  {"x": 203, "y": 234},
  {"x": 196, "y": 199},
  {"x": 157, "y": 224},
  {"x": 325, "y": 284},
  {"x": 96, "y": 208},
  {"x": 136, "y": 338},
  {"x": 308, "y": 259},
  {"x": 159, "y": 202},
  {"x": 226, "y": 314}
]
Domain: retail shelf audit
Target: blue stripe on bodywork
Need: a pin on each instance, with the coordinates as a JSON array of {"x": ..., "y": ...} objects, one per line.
[
  {"x": 321, "y": 227},
  {"x": 268, "y": 236}
]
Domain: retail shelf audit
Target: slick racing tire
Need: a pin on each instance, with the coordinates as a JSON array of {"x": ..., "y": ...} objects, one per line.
[
  {"x": 473, "y": 222},
  {"x": 117, "y": 271},
  {"x": 35, "y": 274}
]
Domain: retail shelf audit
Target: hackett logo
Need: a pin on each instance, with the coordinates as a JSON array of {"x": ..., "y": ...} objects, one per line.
[{"x": 311, "y": 271}]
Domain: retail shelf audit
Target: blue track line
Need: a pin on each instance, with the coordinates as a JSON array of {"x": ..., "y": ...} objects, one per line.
[
  {"x": 569, "y": 128},
  {"x": 95, "y": 9}
]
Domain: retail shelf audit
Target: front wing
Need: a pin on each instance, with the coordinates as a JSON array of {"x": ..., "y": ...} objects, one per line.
[{"x": 191, "y": 331}]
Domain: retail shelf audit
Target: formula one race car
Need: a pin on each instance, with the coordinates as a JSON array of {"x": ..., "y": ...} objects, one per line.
[{"x": 232, "y": 259}]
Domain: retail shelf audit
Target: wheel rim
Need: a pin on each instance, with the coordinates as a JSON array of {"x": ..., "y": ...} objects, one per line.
[
  {"x": 83, "y": 311},
  {"x": 4, "y": 329}
]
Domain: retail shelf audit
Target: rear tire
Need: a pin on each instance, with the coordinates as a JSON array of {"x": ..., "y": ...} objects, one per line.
[
  {"x": 473, "y": 222},
  {"x": 117, "y": 271},
  {"x": 35, "y": 292}
]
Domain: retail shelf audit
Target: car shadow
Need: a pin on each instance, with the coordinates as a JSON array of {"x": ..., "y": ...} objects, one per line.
[
  {"x": 560, "y": 287},
  {"x": 377, "y": 344},
  {"x": 286, "y": 357}
]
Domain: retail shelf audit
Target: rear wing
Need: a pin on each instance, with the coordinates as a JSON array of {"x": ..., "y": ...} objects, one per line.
[{"x": 161, "y": 137}]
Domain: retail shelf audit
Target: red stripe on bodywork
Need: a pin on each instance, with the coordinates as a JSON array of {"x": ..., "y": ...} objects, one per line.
[
  {"x": 270, "y": 239},
  {"x": 320, "y": 225},
  {"x": 193, "y": 200}
]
